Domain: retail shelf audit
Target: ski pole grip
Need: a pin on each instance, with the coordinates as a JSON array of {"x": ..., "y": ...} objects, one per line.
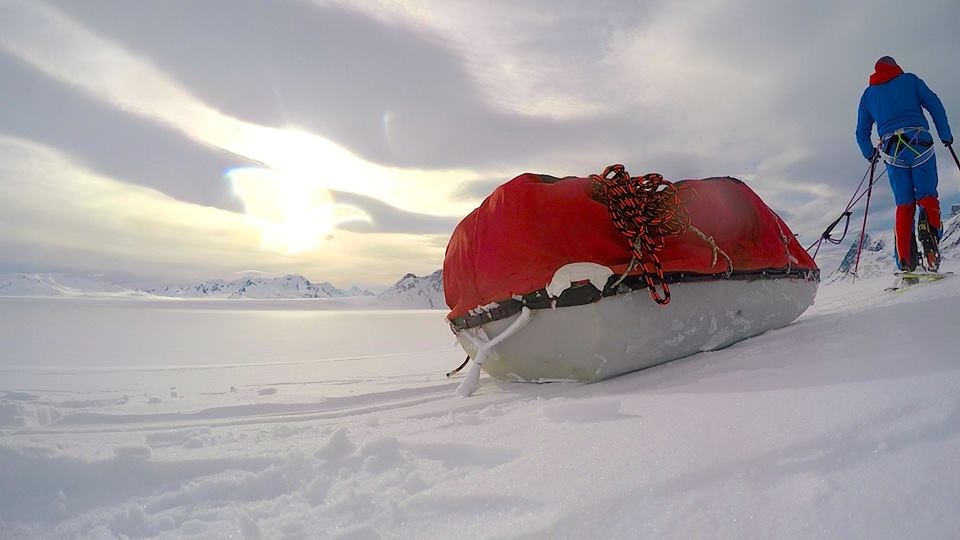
[
  {"x": 954, "y": 154},
  {"x": 829, "y": 229}
]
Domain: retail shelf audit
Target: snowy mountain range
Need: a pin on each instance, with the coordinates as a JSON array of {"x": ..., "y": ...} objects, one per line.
[
  {"x": 410, "y": 292},
  {"x": 876, "y": 258},
  {"x": 63, "y": 285},
  {"x": 288, "y": 286}
]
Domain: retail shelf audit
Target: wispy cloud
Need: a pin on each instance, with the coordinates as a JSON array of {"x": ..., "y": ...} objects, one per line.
[
  {"x": 54, "y": 212},
  {"x": 65, "y": 50},
  {"x": 750, "y": 89}
]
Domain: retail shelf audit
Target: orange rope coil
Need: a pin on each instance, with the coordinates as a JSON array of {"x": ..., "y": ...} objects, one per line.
[{"x": 646, "y": 209}]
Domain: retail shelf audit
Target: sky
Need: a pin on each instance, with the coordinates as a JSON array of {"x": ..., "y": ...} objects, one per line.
[
  {"x": 344, "y": 140},
  {"x": 141, "y": 419}
]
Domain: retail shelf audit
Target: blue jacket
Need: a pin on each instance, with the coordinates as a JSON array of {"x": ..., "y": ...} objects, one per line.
[{"x": 897, "y": 104}]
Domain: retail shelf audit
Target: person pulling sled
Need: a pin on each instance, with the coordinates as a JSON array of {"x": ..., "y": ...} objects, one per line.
[{"x": 895, "y": 101}]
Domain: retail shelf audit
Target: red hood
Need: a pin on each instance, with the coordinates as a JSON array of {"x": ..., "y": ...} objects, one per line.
[{"x": 884, "y": 73}]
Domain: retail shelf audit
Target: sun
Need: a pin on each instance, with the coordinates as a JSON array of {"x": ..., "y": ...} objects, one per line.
[{"x": 293, "y": 213}]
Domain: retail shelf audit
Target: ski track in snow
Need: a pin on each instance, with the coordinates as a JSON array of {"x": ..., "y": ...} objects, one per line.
[{"x": 843, "y": 424}]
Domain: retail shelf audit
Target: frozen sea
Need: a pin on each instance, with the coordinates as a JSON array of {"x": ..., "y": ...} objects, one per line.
[{"x": 158, "y": 351}]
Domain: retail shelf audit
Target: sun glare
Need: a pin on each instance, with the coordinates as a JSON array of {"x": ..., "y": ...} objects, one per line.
[{"x": 294, "y": 214}]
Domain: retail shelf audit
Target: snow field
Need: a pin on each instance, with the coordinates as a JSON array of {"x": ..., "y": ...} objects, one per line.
[{"x": 843, "y": 424}]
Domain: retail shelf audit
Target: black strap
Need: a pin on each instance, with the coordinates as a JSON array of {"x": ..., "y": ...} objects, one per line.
[{"x": 587, "y": 293}]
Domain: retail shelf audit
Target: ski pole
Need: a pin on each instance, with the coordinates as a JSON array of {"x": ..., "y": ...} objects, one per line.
[
  {"x": 866, "y": 210},
  {"x": 954, "y": 154}
]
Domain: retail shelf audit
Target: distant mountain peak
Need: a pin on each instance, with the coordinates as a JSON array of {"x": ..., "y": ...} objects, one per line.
[{"x": 415, "y": 292}]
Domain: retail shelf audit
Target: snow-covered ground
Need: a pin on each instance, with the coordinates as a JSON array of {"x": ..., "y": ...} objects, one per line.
[{"x": 141, "y": 419}]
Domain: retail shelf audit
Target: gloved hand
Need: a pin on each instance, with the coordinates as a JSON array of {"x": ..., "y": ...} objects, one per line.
[
  {"x": 873, "y": 155},
  {"x": 947, "y": 142}
]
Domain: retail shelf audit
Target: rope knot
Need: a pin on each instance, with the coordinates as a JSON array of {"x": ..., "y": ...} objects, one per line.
[{"x": 646, "y": 210}]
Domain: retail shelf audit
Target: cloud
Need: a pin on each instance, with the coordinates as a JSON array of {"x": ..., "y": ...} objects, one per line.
[
  {"x": 56, "y": 213},
  {"x": 70, "y": 53},
  {"x": 118, "y": 145}
]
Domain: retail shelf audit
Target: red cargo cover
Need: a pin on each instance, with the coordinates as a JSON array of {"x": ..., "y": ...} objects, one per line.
[{"x": 534, "y": 224}]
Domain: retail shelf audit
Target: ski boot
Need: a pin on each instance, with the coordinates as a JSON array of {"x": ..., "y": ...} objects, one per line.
[
  {"x": 929, "y": 238},
  {"x": 909, "y": 265},
  {"x": 906, "y": 274}
]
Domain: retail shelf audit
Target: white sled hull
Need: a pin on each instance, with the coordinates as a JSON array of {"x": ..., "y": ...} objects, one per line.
[{"x": 627, "y": 332}]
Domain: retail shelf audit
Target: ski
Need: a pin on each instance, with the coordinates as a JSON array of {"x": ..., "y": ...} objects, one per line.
[{"x": 906, "y": 280}]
